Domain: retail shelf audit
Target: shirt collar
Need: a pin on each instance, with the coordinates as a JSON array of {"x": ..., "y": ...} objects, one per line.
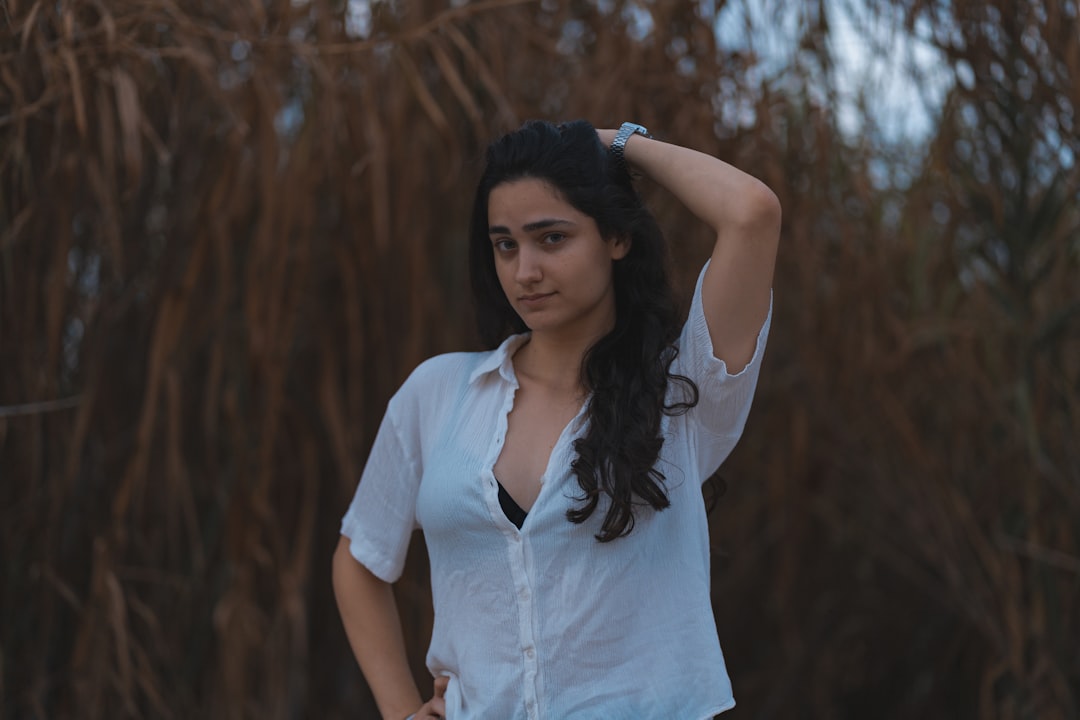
[{"x": 501, "y": 359}]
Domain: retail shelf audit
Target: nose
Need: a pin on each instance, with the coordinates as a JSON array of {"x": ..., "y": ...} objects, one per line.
[{"x": 529, "y": 270}]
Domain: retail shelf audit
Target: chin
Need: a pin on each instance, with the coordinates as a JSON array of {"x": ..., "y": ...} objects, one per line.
[{"x": 534, "y": 323}]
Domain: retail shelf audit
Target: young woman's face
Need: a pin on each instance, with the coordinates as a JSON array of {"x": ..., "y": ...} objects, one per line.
[{"x": 552, "y": 263}]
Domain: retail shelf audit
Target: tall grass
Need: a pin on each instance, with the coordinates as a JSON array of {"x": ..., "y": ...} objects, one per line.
[{"x": 229, "y": 230}]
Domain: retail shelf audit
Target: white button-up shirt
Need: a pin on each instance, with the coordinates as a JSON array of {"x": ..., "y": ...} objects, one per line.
[{"x": 546, "y": 622}]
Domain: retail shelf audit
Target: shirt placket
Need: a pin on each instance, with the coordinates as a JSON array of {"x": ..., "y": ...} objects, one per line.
[
  {"x": 523, "y": 596},
  {"x": 526, "y": 628},
  {"x": 519, "y": 565}
]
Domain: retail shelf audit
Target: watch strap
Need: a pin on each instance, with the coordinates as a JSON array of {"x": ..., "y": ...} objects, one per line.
[{"x": 618, "y": 145}]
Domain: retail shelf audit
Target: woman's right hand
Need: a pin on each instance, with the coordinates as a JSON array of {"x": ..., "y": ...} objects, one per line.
[{"x": 435, "y": 708}]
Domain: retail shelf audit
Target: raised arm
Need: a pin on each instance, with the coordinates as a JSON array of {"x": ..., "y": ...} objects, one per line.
[{"x": 745, "y": 215}]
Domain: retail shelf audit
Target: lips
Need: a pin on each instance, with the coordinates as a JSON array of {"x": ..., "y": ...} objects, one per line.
[{"x": 535, "y": 298}]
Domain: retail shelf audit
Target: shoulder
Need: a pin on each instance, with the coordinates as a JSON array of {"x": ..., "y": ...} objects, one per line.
[
  {"x": 440, "y": 376},
  {"x": 440, "y": 368},
  {"x": 441, "y": 371}
]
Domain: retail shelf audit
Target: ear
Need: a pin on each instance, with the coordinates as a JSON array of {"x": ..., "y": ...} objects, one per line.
[{"x": 620, "y": 246}]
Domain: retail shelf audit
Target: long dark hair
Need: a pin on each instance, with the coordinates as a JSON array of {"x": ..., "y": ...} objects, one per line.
[{"x": 628, "y": 370}]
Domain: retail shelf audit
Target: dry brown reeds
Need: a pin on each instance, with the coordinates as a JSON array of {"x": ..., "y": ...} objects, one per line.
[{"x": 229, "y": 230}]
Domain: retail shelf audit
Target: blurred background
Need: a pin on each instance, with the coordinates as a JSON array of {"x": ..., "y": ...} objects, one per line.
[{"x": 229, "y": 230}]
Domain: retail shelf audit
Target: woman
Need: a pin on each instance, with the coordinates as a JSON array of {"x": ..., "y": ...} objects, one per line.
[{"x": 557, "y": 478}]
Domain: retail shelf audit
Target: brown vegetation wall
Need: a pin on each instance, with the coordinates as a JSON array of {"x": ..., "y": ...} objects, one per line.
[{"x": 229, "y": 230}]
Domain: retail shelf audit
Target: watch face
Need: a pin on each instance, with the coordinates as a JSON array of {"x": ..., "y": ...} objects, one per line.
[{"x": 629, "y": 128}]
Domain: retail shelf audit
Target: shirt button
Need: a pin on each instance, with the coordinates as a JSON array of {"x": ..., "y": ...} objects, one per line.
[
  {"x": 523, "y": 593},
  {"x": 529, "y": 653}
]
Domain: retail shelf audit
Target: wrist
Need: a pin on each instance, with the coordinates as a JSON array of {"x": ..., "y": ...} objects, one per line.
[{"x": 618, "y": 144}]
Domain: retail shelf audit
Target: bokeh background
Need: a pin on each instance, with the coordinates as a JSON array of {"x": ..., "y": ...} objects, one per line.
[{"x": 228, "y": 231}]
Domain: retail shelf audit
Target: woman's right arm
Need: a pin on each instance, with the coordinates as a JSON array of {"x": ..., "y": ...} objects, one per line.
[{"x": 373, "y": 626}]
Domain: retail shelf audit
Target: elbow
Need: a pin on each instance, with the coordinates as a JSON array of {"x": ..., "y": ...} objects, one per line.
[
  {"x": 760, "y": 209},
  {"x": 750, "y": 210}
]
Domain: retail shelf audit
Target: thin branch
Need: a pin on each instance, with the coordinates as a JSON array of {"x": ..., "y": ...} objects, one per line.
[{"x": 37, "y": 408}]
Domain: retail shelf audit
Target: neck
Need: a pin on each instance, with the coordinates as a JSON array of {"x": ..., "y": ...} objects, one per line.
[
  {"x": 552, "y": 357},
  {"x": 554, "y": 361}
]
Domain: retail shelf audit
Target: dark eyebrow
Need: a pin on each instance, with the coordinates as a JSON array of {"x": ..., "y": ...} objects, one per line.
[{"x": 530, "y": 227}]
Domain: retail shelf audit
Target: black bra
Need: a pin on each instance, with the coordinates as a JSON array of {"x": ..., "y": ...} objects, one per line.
[{"x": 511, "y": 509}]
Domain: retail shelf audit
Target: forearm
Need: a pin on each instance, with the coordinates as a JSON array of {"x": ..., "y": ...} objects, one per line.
[
  {"x": 716, "y": 192},
  {"x": 373, "y": 627}
]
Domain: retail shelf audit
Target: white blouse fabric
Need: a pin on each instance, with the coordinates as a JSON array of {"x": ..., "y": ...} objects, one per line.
[{"x": 546, "y": 622}]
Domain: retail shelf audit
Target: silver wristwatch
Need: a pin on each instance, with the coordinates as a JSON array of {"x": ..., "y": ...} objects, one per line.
[{"x": 618, "y": 145}]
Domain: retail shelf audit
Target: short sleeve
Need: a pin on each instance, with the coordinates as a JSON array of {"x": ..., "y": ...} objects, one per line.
[
  {"x": 724, "y": 399},
  {"x": 382, "y": 516}
]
